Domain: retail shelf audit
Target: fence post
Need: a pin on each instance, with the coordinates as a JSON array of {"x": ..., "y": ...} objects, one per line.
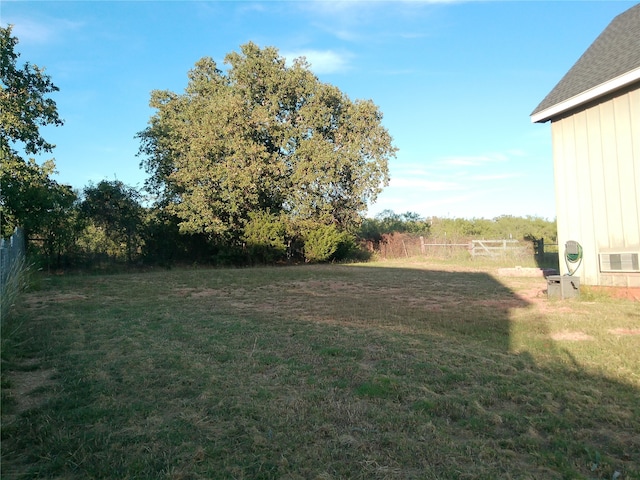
[
  {"x": 4, "y": 263},
  {"x": 11, "y": 252}
]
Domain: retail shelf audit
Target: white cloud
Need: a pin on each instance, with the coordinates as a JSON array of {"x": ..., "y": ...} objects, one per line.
[
  {"x": 41, "y": 32},
  {"x": 473, "y": 160},
  {"x": 458, "y": 185},
  {"x": 425, "y": 203},
  {"x": 428, "y": 185},
  {"x": 445, "y": 201},
  {"x": 497, "y": 176},
  {"x": 336, "y": 7},
  {"x": 321, "y": 61},
  {"x": 333, "y": 8}
]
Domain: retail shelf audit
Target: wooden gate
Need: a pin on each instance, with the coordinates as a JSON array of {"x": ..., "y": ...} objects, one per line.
[{"x": 494, "y": 248}]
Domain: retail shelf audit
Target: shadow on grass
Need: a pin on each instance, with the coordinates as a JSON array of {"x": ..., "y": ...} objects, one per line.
[
  {"x": 309, "y": 372},
  {"x": 463, "y": 306}
]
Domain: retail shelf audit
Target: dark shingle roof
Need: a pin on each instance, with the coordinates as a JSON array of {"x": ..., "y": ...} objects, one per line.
[{"x": 615, "y": 52}]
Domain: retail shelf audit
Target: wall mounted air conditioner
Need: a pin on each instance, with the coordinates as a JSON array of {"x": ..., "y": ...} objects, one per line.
[{"x": 619, "y": 262}]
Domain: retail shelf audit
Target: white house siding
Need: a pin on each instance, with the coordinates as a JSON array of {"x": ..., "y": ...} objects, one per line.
[{"x": 597, "y": 170}]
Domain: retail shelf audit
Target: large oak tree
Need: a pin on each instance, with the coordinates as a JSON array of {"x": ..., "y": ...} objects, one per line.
[{"x": 263, "y": 138}]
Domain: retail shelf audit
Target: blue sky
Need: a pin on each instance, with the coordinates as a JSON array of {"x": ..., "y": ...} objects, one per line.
[{"x": 456, "y": 82}]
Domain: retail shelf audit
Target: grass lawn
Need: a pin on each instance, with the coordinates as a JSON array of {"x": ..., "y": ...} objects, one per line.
[{"x": 398, "y": 369}]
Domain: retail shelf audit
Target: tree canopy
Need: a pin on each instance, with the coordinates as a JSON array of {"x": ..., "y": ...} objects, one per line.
[
  {"x": 25, "y": 106},
  {"x": 114, "y": 209},
  {"x": 263, "y": 138},
  {"x": 28, "y": 196}
]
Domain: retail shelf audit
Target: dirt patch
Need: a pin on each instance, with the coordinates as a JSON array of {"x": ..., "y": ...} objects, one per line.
[
  {"x": 525, "y": 272},
  {"x": 183, "y": 292},
  {"x": 27, "y": 388},
  {"x": 507, "y": 303},
  {"x": 322, "y": 288},
  {"x": 200, "y": 292},
  {"x": 41, "y": 299},
  {"x": 625, "y": 331},
  {"x": 537, "y": 296},
  {"x": 207, "y": 292},
  {"x": 68, "y": 297},
  {"x": 571, "y": 336},
  {"x": 534, "y": 293}
]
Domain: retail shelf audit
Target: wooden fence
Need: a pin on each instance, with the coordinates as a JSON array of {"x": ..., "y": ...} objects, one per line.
[
  {"x": 496, "y": 248},
  {"x": 483, "y": 248}
]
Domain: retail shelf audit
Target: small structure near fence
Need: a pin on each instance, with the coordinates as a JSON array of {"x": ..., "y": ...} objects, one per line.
[{"x": 12, "y": 257}]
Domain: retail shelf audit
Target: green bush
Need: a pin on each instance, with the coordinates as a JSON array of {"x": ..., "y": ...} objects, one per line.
[
  {"x": 327, "y": 243},
  {"x": 266, "y": 237}
]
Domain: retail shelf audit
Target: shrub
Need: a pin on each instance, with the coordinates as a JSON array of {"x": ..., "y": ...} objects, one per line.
[
  {"x": 266, "y": 235},
  {"x": 328, "y": 243}
]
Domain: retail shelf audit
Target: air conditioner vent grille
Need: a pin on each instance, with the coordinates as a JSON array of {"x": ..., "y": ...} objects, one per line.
[{"x": 619, "y": 262}]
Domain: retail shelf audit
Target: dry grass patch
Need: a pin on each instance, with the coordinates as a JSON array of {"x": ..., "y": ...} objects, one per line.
[
  {"x": 571, "y": 336},
  {"x": 29, "y": 389},
  {"x": 625, "y": 331}
]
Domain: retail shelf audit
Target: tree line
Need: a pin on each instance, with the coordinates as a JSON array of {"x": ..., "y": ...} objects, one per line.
[
  {"x": 258, "y": 163},
  {"x": 458, "y": 229}
]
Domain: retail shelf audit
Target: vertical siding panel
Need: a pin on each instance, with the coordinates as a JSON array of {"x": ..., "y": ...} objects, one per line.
[
  {"x": 634, "y": 102},
  {"x": 558, "y": 142},
  {"x": 598, "y": 194},
  {"x": 634, "y": 108},
  {"x": 583, "y": 207},
  {"x": 572, "y": 208},
  {"x": 634, "y": 123},
  {"x": 611, "y": 175},
  {"x": 628, "y": 195}
]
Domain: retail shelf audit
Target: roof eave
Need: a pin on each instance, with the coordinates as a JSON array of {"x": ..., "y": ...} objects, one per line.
[{"x": 587, "y": 96}]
